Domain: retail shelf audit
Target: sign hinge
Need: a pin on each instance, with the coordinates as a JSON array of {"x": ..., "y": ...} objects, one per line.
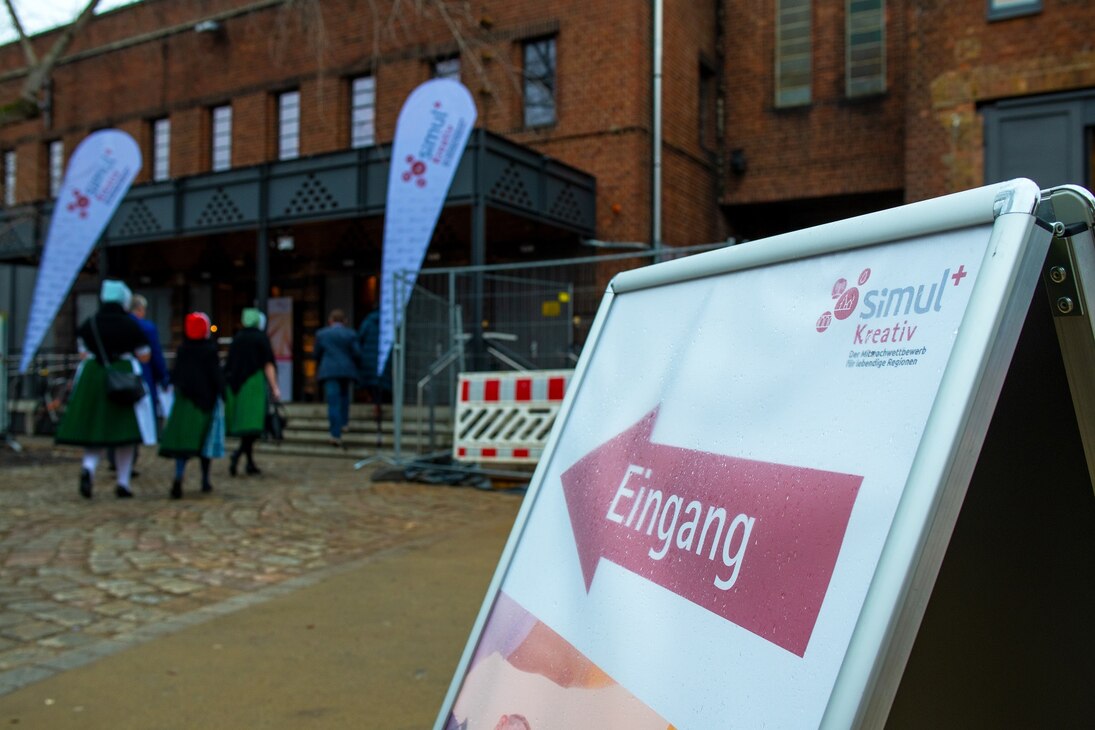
[
  {"x": 1059, "y": 273},
  {"x": 1059, "y": 229}
]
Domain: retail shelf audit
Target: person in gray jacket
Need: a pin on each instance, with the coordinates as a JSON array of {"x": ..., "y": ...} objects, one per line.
[{"x": 338, "y": 362}]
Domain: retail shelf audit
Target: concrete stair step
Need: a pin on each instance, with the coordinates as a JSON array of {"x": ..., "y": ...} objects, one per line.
[
  {"x": 365, "y": 411},
  {"x": 351, "y": 453},
  {"x": 307, "y": 434},
  {"x": 366, "y": 440}
]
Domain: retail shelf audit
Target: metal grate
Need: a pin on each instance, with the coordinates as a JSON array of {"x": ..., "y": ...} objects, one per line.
[
  {"x": 566, "y": 206},
  {"x": 510, "y": 188},
  {"x": 311, "y": 197},
  {"x": 139, "y": 221},
  {"x": 220, "y": 210}
]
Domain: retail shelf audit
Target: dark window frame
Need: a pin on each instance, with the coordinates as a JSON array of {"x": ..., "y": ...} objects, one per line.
[
  {"x": 1005, "y": 9},
  {"x": 438, "y": 68},
  {"x": 10, "y": 160},
  {"x": 541, "y": 82},
  {"x": 864, "y": 47},
  {"x": 708, "y": 107},
  {"x": 55, "y": 166},
  {"x": 161, "y": 149},
  {"x": 794, "y": 67},
  {"x": 289, "y": 126},
  {"x": 220, "y": 120},
  {"x": 362, "y": 125}
]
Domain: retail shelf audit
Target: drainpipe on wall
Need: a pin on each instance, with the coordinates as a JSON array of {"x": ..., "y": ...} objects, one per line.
[
  {"x": 656, "y": 131},
  {"x": 262, "y": 247}
]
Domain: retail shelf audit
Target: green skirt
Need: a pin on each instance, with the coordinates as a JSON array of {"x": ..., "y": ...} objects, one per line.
[
  {"x": 245, "y": 410},
  {"x": 93, "y": 420},
  {"x": 186, "y": 429}
]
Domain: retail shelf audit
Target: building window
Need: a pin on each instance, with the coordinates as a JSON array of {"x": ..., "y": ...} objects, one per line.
[
  {"x": 1001, "y": 9},
  {"x": 447, "y": 68},
  {"x": 289, "y": 125},
  {"x": 793, "y": 50},
  {"x": 9, "y": 177},
  {"x": 161, "y": 149},
  {"x": 865, "y": 47},
  {"x": 539, "y": 72},
  {"x": 708, "y": 111},
  {"x": 56, "y": 166},
  {"x": 221, "y": 138},
  {"x": 362, "y": 111}
]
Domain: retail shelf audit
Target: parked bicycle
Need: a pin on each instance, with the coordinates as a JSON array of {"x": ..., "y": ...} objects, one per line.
[{"x": 48, "y": 390}]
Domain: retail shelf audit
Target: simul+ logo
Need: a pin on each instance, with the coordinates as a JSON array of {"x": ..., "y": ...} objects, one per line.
[
  {"x": 80, "y": 204},
  {"x": 416, "y": 172},
  {"x": 899, "y": 301}
]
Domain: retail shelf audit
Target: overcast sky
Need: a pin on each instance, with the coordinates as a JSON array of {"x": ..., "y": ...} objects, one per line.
[{"x": 39, "y": 15}]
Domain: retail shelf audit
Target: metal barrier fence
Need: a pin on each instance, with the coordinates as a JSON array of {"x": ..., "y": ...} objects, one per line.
[
  {"x": 507, "y": 317},
  {"x": 33, "y": 401},
  {"x": 5, "y": 417},
  {"x": 506, "y": 417}
]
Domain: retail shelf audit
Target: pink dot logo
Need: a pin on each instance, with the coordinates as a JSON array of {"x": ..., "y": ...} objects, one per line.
[
  {"x": 80, "y": 204},
  {"x": 846, "y": 304},
  {"x": 416, "y": 172},
  {"x": 847, "y": 299}
]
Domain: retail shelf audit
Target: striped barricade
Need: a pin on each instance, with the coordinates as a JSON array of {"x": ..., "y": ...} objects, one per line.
[{"x": 507, "y": 417}]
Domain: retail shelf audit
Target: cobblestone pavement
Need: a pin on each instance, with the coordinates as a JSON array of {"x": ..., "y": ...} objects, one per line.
[{"x": 81, "y": 579}]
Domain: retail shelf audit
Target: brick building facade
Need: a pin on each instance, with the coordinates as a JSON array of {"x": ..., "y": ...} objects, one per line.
[{"x": 775, "y": 116}]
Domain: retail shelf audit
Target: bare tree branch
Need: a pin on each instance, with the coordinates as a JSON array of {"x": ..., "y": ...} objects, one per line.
[
  {"x": 24, "y": 41},
  {"x": 462, "y": 43},
  {"x": 39, "y": 71}
]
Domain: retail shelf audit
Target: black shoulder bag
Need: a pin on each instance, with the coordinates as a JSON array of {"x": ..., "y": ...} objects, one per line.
[
  {"x": 123, "y": 387},
  {"x": 277, "y": 420}
]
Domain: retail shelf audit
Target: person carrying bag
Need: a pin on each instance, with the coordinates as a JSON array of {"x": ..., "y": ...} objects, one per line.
[
  {"x": 105, "y": 409},
  {"x": 124, "y": 387}
]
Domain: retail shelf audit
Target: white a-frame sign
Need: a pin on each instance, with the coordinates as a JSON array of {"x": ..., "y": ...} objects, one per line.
[{"x": 765, "y": 452}]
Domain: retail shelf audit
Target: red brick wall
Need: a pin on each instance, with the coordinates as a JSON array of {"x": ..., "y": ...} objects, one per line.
[
  {"x": 924, "y": 136},
  {"x": 958, "y": 60},
  {"x": 833, "y": 146},
  {"x": 603, "y": 57}
]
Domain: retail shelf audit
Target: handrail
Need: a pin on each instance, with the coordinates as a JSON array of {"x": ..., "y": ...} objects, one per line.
[{"x": 436, "y": 369}]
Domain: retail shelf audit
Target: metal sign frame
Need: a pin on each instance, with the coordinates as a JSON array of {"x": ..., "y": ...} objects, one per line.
[
  {"x": 947, "y": 453},
  {"x": 1069, "y": 275}
]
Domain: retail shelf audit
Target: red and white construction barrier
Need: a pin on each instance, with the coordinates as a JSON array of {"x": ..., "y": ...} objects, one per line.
[{"x": 507, "y": 417}]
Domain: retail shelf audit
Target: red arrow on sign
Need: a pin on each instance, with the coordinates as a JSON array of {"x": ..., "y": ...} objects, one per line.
[{"x": 750, "y": 541}]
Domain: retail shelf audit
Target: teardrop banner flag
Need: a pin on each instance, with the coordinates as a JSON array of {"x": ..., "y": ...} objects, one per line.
[
  {"x": 98, "y": 176},
  {"x": 430, "y": 137}
]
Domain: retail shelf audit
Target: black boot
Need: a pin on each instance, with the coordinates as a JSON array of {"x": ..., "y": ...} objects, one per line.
[
  {"x": 233, "y": 463},
  {"x": 207, "y": 486},
  {"x": 176, "y": 489},
  {"x": 252, "y": 469},
  {"x": 122, "y": 492},
  {"x": 85, "y": 484}
]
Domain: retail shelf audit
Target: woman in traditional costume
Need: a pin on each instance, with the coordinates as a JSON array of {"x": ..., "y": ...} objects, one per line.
[
  {"x": 195, "y": 426},
  {"x": 109, "y": 338},
  {"x": 249, "y": 371}
]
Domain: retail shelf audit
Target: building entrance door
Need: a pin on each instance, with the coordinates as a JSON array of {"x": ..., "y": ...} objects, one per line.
[{"x": 1046, "y": 138}]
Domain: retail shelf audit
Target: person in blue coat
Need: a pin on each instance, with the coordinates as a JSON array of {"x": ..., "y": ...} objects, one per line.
[
  {"x": 368, "y": 342},
  {"x": 154, "y": 370},
  {"x": 338, "y": 362}
]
